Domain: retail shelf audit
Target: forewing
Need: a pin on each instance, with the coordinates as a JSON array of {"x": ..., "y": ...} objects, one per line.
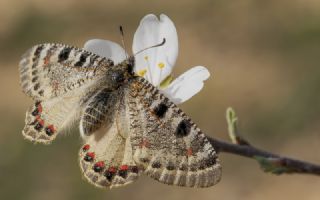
[
  {"x": 106, "y": 157},
  {"x": 166, "y": 143},
  {"x": 51, "y": 70},
  {"x": 59, "y": 78}
]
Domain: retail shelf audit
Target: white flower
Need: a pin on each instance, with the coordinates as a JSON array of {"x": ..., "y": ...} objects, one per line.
[{"x": 156, "y": 64}]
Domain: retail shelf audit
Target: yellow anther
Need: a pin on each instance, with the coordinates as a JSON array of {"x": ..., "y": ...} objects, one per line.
[
  {"x": 146, "y": 57},
  {"x": 161, "y": 65},
  {"x": 142, "y": 72}
]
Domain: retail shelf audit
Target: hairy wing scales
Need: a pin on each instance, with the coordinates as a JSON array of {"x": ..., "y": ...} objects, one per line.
[
  {"x": 98, "y": 111},
  {"x": 169, "y": 146}
]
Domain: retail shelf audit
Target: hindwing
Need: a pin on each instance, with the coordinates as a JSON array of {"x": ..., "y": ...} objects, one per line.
[{"x": 106, "y": 157}]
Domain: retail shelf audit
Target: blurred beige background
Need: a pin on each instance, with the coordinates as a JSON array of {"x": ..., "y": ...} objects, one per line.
[{"x": 265, "y": 61}]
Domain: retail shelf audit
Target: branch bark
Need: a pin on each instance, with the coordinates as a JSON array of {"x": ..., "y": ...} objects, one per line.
[{"x": 269, "y": 162}]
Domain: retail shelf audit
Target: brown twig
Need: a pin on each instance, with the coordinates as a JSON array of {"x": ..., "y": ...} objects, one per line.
[
  {"x": 269, "y": 162},
  {"x": 291, "y": 165}
]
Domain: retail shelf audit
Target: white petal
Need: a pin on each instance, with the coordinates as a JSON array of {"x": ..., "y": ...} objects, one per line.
[
  {"x": 151, "y": 31},
  {"x": 106, "y": 48},
  {"x": 187, "y": 84}
]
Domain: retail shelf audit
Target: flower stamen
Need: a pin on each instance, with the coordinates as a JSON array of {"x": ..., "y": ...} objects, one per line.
[
  {"x": 149, "y": 75},
  {"x": 142, "y": 72},
  {"x": 161, "y": 65}
]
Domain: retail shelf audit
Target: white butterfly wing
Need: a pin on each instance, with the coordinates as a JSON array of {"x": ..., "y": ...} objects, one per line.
[
  {"x": 106, "y": 157},
  {"x": 57, "y": 77}
]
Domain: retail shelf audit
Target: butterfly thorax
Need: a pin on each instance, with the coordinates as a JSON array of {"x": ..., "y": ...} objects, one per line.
[{"x": 119, "y": 74}]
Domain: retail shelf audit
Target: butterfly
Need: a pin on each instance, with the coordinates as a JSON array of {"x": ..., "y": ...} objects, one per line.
[{"x": 127, "y": 125}]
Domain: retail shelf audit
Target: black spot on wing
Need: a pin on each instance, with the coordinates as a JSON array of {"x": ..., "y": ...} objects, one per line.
[
  {"x": 156, "y": 164},
  {"x": 97, "y": 168},
  {"x": 82, "y": 59},
  {"x": 210, "y": 162},
  {"x": 36, "y": 56},
  {"x": 35, "y": 112},
  {"x": 37, "y": 52},
  {"x": 36, "y": 86},
  {"x": 160, "y": 110},
  {"x": 49, "y": 131},
  {"x": 41, "y": 92},
  {"x": 64, "y": 54},
  {"x": 109, "y": 175},
  {"x": 34, "y": 72},
  {"x": 123, "y": 173},
  {"x": 38, "y": 126},
  {"x": 170, "y": 166},
  {"x": 183, "y": 128},
  {"x": 34, "y": 79},
  {"x": 134, "y": 169}
]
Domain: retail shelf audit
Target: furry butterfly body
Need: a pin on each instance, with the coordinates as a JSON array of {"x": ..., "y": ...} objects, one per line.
[{"x": 127, "y": 125}]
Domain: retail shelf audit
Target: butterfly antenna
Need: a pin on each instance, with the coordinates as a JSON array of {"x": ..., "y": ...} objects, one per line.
[
  {"x": 157, "y": 45},
  {"x": 122, "y": 41}
]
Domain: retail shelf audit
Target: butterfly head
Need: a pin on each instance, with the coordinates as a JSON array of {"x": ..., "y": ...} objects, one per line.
[
  {"x": 127, "y": 66},
  {"x": 130, "y": 62}
]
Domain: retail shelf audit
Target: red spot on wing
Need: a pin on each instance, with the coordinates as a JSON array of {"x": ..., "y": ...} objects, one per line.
[
  {"x": 46, "y": 61},
  {"x": 100, "y": 164},
  {"x": 89, "y": 157},
  {"x": 112, "y": 169},
  {"x": 51, "y": 127},
  {"x": 50, "y": 130},
  {"x": 144, "y": 143},
  {"x": 39, "y": 120},
  {"x": 91, "y": 154},
  {"x": 39, "y": 107},
  {"x": 189, "y": 152},
  {"x": 124, "y": 167},
  {"x": 86, "y": 147}
]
